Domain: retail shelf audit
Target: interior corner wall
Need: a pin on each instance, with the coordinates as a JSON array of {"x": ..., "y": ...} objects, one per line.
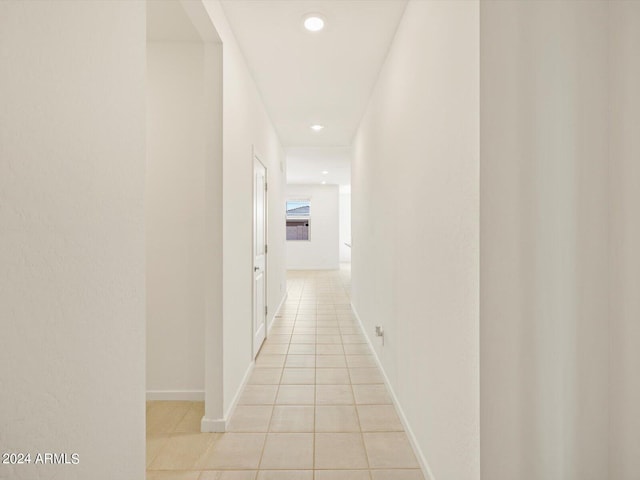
[
  {"x": 624, "y": 385},
  {"x": 247, "y": 129},
  {"x": 415, "y": 229},
  {"x": 72, "y": 281},
  {"x": 321, "y": 251},
  {"x": 175, "y": 213},
  {"x": 544, "y": 240}
]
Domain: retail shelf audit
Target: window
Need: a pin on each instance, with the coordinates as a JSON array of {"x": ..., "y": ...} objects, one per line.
[{"x": 298, "y": 219}]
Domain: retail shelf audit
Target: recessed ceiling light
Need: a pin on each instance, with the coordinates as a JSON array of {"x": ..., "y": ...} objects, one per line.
[
  {"x": 324, "y": 183},
  {"x": 317, "y": 128},
  {"x": 324, "y": 172},
  {"x": 313, "y": 22}
]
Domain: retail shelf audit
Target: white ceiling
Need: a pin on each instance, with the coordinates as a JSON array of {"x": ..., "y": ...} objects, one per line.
[
  {"x": 307, "y": 78},
  {"x": 306, "y": 164}
]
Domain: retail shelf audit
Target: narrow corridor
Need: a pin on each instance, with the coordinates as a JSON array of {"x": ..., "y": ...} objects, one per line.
[{"x": 314, "y": 408}]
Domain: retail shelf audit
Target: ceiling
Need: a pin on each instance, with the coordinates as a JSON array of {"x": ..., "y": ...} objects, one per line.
[
  {"x": 309, "y": 78},
  {"x": 306, "y": 164}
]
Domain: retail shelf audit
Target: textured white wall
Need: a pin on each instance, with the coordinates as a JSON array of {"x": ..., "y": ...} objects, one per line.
[
  {"x": 175, "y": 219},
  {"x": 345, "y": 225},
  {"x": 624, "y": 65},
  {"x": 415, "y": 229},
  {"x": 320, "y": 252},
  {"x": 246, "y": 125},
  {"x": 544, "y": 219},
  {"x": 72, "y": 288}
]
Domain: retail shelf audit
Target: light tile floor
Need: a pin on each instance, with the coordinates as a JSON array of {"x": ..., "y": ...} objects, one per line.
[{"x": 315, "y": 407}]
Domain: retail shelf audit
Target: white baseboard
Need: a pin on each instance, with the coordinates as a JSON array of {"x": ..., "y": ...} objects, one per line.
[
  {"x": 236, "y": 397},
  {"x": 183, "y": 395},
  {"x": 275, "y": 314},
  {"x": 424, "y": 466},
  {"x": 215, "y": 425}
]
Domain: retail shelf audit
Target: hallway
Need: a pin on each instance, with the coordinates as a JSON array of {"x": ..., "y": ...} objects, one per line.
[{"x": 314, "y": 408}]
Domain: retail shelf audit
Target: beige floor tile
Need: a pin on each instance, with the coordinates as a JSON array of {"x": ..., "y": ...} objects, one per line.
[
  {"x": 154, "y": 446},
  {"x": 362, "y": 376},
  {"x": 350, "y": 331},
  {"x": 278, "y": 339},
  {"x": 250, "y": 418},
  {"x": 231, "y": 451},
  {"x": 361, "y": 361},
  {"x": 328, "y": 308},
  {"x": 265, "y": 376},
  {"x": 274, "y": 349},
  {"x": 327, "y": 322},
  {"x": 182, "y": 451},
  {"x": 289, "y": 309},
  {"x": 303, "y": 339},
  {"x": 328, "y": 339},
  {"x": 164, "y": 416},
  {"x": 300, "y": 361},
  {"x": 298, "y": 376},
  {"x": 334, "y": 395},
  {"x": 379, "y": 418},
  {"x": 304, "y": 330},
  {"x": 342, "y": 475},
  {"x": 302, "y": 349},
  {"x": 288, "y": 451},
  {"x": 285, "y": 475},
  {"x": 397, "y": 474},
  {"x": 337, "y": 418},
  {"x": 178, "y": 475},
  {"x": 258, "y": 395},
  {"x": 281, "y": 330},
  {"x": 371, "y": 394},
  {"x": 328, "y": 331},
  {"x": 190, "y": 423},
  {"x": 288, "y": 321},
  {"x": 296, "y": 395},
  {"x": 354, "y": 339},
  {"x": 332, "y": 376},
  {"x": 228, "y": 475},
  {"x": 339, "y": 451},
  {"x": 330, "y": 361},
  {"x": 270, "y": 360},
  {"x": 292, "y": 419},
  {"x": 389, "y": 450},
  {"x": 357, "y": 349},
  {"x": 328, "y": 349}
]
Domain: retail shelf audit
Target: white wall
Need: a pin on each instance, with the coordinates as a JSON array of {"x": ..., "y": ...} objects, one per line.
[
  {"x": 544, "y": 218},
  {"x": 72, "y": 288},
  {"x": 415, "y": 229},
  {"x": 624, "y": 65},
  {"x": 178, "y": 190},
  {"x": 321, "y": 251},
  {"x": 345, "y": 223},
  {"x": 246, "y": 127}
]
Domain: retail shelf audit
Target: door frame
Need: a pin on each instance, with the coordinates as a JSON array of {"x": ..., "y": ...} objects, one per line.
[{"x": 256, "y": 157}]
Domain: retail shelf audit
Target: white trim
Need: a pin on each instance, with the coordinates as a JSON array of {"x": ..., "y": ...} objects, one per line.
[
  {"x": 210, "y": 425},
  {"x": 275, "y": 314},
  {"x": 184, "y": 395},
  {"x": 236, "y": 397},
  {"x": 405, "y": 423},
  {"x": 220, "y": 424}
]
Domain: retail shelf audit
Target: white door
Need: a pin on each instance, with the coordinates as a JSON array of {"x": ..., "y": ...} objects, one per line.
[{"x": 259, "y": 254}]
